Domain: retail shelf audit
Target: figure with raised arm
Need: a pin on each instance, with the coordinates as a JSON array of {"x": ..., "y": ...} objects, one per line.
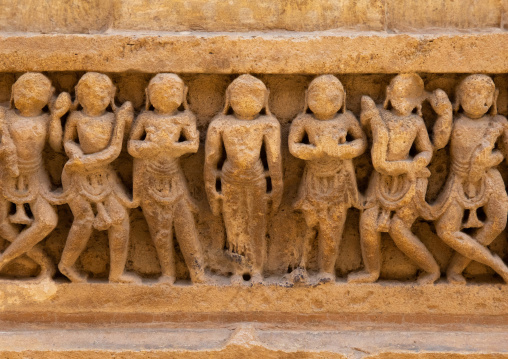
[
  {"x": 474, "y": 182},
  {"x": 396, "y": 193},
  {"x": 327, "y": 140},
  {"x": 93, "y": 140},
  {"x": 239, "y": 188},
  {"x": 159, "y": 183},
  {"x": 25, "y": 130}
]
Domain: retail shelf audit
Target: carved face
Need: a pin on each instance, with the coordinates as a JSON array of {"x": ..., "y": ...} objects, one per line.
[
  {"x": 166, "y": 94},
  {"x": 247, "y": 96},
  {"x": 94, "y": 92},
  {"x": 476, "y": 94},
  {"x": 31, "y": 92},
  {"x": 402, "y": 105},
  {"x": 325, "y": 96}
]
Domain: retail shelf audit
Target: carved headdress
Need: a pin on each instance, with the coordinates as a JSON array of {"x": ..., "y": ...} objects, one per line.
[
  {"x": 324, "y": 81},
  {"x": 409, "y": 86},
  {"x": 167, "y": 79},
  {"x": 473, "y": 82},
  {"x": 35, "y": 85},
  {"x": 95, "y": 80},
  {"x": 247, "y": 83}
]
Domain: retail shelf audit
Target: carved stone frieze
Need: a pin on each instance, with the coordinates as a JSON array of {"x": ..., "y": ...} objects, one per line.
[{"x": 254, "y": 180}]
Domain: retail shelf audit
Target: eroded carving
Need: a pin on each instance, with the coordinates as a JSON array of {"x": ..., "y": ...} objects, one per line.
[
  {"x": 474, "y": 182},
  {"x": 25, "y": 130},
  {"x": 93, "y": 140},
  {"x": 396, "y": 193},
  {"x": 238, "y": 188},
  {"x": 328, "y": 141},
  {"x": 159, "y": 183}
]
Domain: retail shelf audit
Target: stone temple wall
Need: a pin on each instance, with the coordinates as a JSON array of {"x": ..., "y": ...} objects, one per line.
[{"x": 286, "y": 44}]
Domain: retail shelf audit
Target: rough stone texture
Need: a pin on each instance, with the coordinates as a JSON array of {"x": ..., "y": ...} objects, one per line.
[
  {"x": 285, "y": 44},
  {"x": 275, "y": 53}
]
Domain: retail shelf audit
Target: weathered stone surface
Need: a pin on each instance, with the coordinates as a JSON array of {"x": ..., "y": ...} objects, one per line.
[
  {"x": 257, "y": 53},
  {"x": 251, "y": 342}
]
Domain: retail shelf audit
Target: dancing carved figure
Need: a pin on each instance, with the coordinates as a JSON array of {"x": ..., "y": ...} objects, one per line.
[
  {"x": 93, "y": 140},
  {"x": 396, "y": 193},
  {"x": 328, "y": 141},
  {"x": 25, "y": 130},
  {"x": 239, "y": 188},
  {"x": 474, "y": 183},
  {"x": 159, "y": 183}
]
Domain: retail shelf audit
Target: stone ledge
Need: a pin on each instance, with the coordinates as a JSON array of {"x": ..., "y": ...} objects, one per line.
[
  {"x": 440, "y": 304},
  {"x": 249, "y": 342},
  {"x": 282, "y": 52}
]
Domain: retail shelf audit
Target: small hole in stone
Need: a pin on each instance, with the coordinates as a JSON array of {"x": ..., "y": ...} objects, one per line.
[{"x": 246, "y": 277}]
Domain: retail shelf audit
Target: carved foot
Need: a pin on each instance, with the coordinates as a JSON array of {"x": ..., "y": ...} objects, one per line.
[
  {"x": 502, "y": 266},
  {"x": 362, "y": 277},
  {"x": 72, "y": 274},
  {"x": 166, "y": 279},
  {"x": 324, "y": 277},
  {"x": 46, "y": 274},
  {"x": 236, "y": 279},
  {"x": 428, "y": 278},
  {"x": 126, "y": 278},
  {"x": 202, "y": 278},
  {"x": 299, "y": 276},
  {"x": 455, "y": 278},
  {"x": 257, "y": 278}
]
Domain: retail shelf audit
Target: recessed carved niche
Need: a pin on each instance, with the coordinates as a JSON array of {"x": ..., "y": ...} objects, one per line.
[{"x": 240, "y": 179}]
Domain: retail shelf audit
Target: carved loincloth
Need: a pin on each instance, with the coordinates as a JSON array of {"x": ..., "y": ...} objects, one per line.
[
  {"x": 96, "y": 187},
  {"x": 469, "y": 196},
  {"x": 328, "y": 184},
  {"x": 244, "y": 206},
  {"x": 392, "y": 193},
  {"x": 164, "y": 184},
  {"x": 33, "y": 182}
]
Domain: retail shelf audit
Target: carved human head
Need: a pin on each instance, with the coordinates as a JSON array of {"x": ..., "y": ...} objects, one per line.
[
  {"x": 247, "y": 96},
  {"x": 95, "y": 92},
  {"x": 405, "y": 93},
  {"x": 476, "y": 94},
  {"x": 31, "y": 92},
  {"x": 166, "y": 92},
  {"x": 325, "y": 96}
]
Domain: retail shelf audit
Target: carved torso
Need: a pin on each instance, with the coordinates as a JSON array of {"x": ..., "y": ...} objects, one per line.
[
  {"x": 402, "y": 132},
  {"x": 94, "y": 133},
  {"x": 28, "y": 130}
]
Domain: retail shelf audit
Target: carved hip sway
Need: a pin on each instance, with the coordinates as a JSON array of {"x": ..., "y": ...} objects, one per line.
[{"x": 243, "y": 178}]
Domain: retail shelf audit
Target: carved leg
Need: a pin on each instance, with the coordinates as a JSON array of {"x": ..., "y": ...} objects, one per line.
[
  {"x": 330, "y": 234},
  {"x": 45, "y": 220},
  {"x": 370, "y": 240},
  {"x": 118, "y": 235},
  {"x": 38, "y": 255},
  {"x": 79, "y": 234},
  {"x": 448, "y": 229},
  {"x": 411, "y": 246},
  {"x": 299, "y": 275},
  {"x": 187, "y": 237},
  {"x": 496, "y": 211},
  {"x": 160, "y": 225},
  {"x": 258, "y": 210}
]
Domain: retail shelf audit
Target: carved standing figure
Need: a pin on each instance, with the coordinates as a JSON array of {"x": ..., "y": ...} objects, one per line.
[
  {"x": 396, "y": 193},
  {"x": 474, "y": 181},
  {"x": 95, "y": 194},
  {"x": 25, "y": 129},
  {"x": 328, "y": 141},
  {"x": 159, "y": 183},
  {"x": 239, "y": 188}
]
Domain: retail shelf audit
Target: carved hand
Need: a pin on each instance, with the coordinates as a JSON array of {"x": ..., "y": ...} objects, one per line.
[
  {"x": 61, "y": 105},
  {"x": 369, "y": 110},
  {"x": 440, "y": 102}
]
